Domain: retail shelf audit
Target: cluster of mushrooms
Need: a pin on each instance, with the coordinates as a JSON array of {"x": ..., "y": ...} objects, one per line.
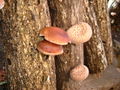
[{"x": 55, "y": 38}]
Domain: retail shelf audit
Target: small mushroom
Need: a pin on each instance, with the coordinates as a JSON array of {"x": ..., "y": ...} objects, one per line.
[
  {"x": 55, "y": 35},
  {"x": 80, "y": 33},
  {"x": 49, "y": 48},
  {"x": 2, "y": 3},
  {"x": 79, "y": 73}
]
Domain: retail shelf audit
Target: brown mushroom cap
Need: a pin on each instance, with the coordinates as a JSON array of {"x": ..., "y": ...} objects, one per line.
[
  {"x": 2, "y": 3},
  {"x": 80, "y": 33},
  {"x": 49, "y": 48},
  {"x": 55, "y": 35},
  {"x": 79, "y": 73}
]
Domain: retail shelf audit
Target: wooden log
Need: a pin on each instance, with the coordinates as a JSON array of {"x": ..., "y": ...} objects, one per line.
[
  {"x": 65, "y": 13},
  {"x": 21, "y": 22}
]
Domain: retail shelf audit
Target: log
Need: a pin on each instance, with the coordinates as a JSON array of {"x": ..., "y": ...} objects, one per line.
[
  {"x": 64, "y": 14},
  {"x": 21, "y": 22},
  {"x": 100, "y": 7}
]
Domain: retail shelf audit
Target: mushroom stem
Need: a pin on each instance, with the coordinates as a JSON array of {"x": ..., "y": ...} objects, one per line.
[{"x": 79, "y": 53}]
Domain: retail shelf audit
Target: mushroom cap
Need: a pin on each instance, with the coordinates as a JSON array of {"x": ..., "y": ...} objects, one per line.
[
  {"x": 79, "y": 73},
  {"x": 80, "y": 33},
  {"x": 49, "y": 48},
  {"x": 2, "y": 3},
  {"x": 55, "y": 35}
]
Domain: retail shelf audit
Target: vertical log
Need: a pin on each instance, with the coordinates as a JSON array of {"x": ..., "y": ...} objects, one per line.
[
  {"x": 100, "y": 7},
  {"x": 29, "y": 69},
  {"x": 95, "y": 57},
  {"x": 65, "y": 13}
]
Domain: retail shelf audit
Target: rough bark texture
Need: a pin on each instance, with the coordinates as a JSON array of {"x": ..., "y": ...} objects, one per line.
[
  {"x": 65, "y": 13},
  {"x": 100, "y": 7},
  {"x": 95, "y": 57},
  {"x": 21, "y": 21}
]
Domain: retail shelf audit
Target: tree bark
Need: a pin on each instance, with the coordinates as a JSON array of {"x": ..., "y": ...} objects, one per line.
[
  {"x": 65, "y": 13},
  {"x": 29, "y": 69},
  {"x": 95, "y": 56},
  {"x": 100, "y": 7}
]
